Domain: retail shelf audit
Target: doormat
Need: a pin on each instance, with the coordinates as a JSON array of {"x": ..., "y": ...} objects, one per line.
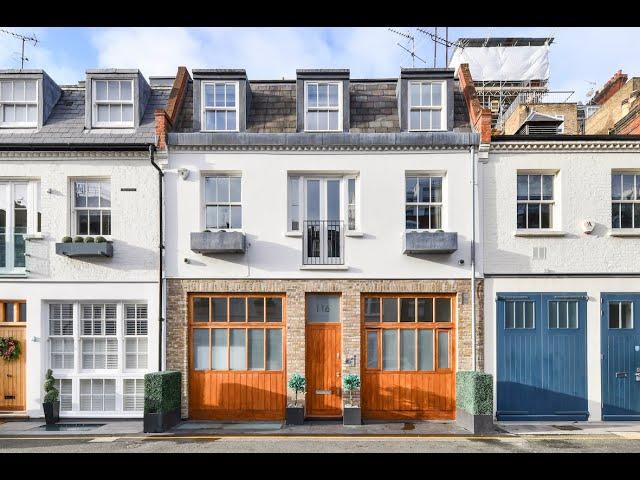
[
  {"x": 566, "y": 427},
  {"x": 408, "y": 426}
]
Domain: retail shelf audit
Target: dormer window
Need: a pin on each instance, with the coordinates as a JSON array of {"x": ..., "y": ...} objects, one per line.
[
  {"x": 323, "y": 106},
  {"x": 18, "y": 103},
  {"x": 220, "y": 106},
  {"x": 426, "y": 106},
  {"x": 112, "y": 103}
]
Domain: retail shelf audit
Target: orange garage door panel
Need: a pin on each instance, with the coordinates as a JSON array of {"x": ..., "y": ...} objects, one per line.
[{"x": 236, "y": 357}]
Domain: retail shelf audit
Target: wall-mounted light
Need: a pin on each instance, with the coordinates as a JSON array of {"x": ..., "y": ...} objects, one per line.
[{"x": 49, "y": 191}]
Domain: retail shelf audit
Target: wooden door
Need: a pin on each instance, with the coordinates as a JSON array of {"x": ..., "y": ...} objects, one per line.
[
  {"x": 324, "y": 375},
  {"x": 13, "y": 373}
]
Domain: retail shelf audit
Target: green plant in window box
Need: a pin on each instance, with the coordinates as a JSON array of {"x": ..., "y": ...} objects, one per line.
[
  {"x": 67, "y": 239},
  {"x": 78, "y": 239},
  {"x": 89, "y": 240},
  {"x": 298, "y": 384},
  {"x": 351, "y": 383},
  {"x": 101, "y": 239}
]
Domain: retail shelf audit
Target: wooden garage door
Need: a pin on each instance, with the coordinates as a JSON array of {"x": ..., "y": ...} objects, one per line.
[
  {"x": 236, "y": 357},
  {"x": 408, "y": 363}
]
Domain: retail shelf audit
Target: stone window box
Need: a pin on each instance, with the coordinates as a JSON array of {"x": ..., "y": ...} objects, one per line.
[
  {"x": 104, "y": 249},
  {"x": 218, "y": 242},
  {"x": 430, "y": 242}
]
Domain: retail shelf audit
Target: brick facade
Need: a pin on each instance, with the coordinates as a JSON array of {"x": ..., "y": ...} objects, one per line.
[{"x": 295, "y": 290}]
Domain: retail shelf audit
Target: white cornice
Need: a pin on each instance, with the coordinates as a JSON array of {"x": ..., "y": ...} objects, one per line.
[
  {"x": 583, "y": 146},
  {"x": 313, "y": 148},
  {"x": 72, "y": 155}
]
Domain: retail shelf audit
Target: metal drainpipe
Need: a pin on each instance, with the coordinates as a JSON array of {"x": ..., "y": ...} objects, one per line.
[
  {"x": 152, "y": 150},
  {"x": 473, "y": 259}
]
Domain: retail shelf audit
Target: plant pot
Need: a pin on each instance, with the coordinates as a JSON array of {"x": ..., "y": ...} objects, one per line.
[
  {"x": 475, "y": 423},
  {"x": 352, "y": 416},
  {"x": 160, "y": 422},
  {"x": 51, "y": 412},
  {"x": 295, "y": 415}
]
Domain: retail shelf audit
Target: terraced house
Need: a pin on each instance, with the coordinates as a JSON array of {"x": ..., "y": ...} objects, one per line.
[
  {"x": 79, "y": 237},
  {"x": 321, "y": 226}
]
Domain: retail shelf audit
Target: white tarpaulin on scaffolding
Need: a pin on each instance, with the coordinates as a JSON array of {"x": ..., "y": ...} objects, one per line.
[{"x": 504, "y": 63}]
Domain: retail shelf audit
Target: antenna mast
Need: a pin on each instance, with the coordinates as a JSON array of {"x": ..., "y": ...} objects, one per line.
[
  {"x": 411, "y": 52},
  {"x": 23, "y": 38}
]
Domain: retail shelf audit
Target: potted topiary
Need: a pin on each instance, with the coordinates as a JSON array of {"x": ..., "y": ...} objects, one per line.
[
  {"x": 51, "y": 404},
  {"x": 352, "y": 413},
  {"x": 161, "y": 401},
  {"x": 295, "y": 412}
]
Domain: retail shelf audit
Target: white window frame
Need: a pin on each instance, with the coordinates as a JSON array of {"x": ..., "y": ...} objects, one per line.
[
  {"x": 26, "y": 103},
  {"x": 75, "y": 209},
  {"x": 333, "y": 108},
  {"x": 204, "y": 108},
  {"x": 77, "y": 373},
  {"x": 551, "y": 203},
  {"x": 442, "y": 107},
  {"x": 229, "y": 204},
  {"x": 141, "y": 316},
  {"x": 635, "y": 201},
  {"x": 32, "y": 201},
  {"x": 418, "y": 204},
  {"x": 344, "y": 206},
  {"x": 95, "y": 102}
]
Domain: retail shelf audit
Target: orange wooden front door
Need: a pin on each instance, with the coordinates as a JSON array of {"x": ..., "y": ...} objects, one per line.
[
  {"x": 13, "y": 373},
  {"x": 323, "y": 367}
]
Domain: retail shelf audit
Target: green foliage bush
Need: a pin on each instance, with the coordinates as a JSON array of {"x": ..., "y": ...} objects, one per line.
[
  {"x": 162, "y": 392},
  {"x": 101, "y": 239},
  {"x": 89, "y": 240},
  {"x": 474, "y": 392},
  {"x": 67, "y": 239},
  {"x": 351, "y": 383},
  {"x": 51, "y": 393},
  {"x": 297, "y": 383},
  {"x": 78, "y": 239}
]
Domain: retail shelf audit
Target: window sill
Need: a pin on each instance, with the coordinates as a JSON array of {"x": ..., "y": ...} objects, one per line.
[
  {"x": 324, "y": 267},
  {"x": 630, "y": 232},
  {"x": 34, "y": 236},
  {"x": 293, "y": 234},
  {"x": 539, "y": 233},
  {"x": 13, "y": 275},
  {"x": 354, "y": 234}
]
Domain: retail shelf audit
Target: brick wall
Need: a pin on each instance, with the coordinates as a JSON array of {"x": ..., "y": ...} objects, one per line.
[
  {"x": 611, "y": 111},
  {"x": 520, "y": 114},
  {"x": 295, "y": 290}
]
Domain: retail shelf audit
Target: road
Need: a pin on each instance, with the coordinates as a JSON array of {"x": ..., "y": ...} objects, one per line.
[{"x": 522, "y": 444}]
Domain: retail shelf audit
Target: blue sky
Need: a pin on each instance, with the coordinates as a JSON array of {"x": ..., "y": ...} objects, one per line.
[{"x": 578, "y": 56}]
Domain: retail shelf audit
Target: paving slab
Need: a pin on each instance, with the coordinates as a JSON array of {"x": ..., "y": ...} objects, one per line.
[
  {"x": 98, "y": 427},
  {"x": 569, "y": 428}
]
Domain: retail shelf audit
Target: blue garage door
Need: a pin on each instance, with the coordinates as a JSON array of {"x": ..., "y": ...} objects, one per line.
[
  {"x": 542, "y": 357},
  {"x": 620, "y": 335}
]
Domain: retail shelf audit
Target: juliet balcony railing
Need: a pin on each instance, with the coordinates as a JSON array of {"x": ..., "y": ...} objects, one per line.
[{"x": 323, "y": 242}]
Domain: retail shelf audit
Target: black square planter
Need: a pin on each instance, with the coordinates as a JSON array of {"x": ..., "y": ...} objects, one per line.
[
  {"x": 294, "y": 416},
  {"x": 160, "y": 422},
  {"x": 352, "y": 416},
  {"x": 51, "y": 412},
  {"x": 476, "y": 424}
]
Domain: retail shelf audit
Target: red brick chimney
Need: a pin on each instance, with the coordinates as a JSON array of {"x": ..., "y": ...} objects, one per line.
[
  {"x": 614, "y": 84},
  {"x": 165, "y": 118},
  {"x": 480, "y": 117}
]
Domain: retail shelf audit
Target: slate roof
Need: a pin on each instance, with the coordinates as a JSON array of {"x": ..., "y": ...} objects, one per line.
[
  {"x": 66, "y": 123},
  {"x": 373, "y": 108}
]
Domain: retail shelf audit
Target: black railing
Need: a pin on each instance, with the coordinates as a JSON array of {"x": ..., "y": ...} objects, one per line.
[{"x": 323, "y": 242}]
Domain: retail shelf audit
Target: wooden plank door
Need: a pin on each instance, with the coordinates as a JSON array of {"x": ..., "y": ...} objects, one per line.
[
  {"x": 13, "y": 373},
  {"x": 323, "y": 366}
]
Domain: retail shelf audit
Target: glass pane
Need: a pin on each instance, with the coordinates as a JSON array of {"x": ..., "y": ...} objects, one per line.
[
  {"x": 443, "y": 310},
  {"x": 313, "y": 200},
  {"x": 407, "y": 309},
  {"x": 323, "y": 120},
  {"x": 238, "y": 351},
  {"x": 212, "y": 217},
  {"x": 562, "y": 315},
  {"x": 219, "y": 97},
  {"x": 426, "y": 94},
  {"x": 114, "y": 90},
  {"x": 389, "y": 309},
  {"x": 231, "y": 95},
  {"x": 200, "y": 309},
  {"x": 105, "y": 194},
  {"x": 256, "y": 309},
  {"x": 220, "y": 120},
  {"x": 333, "y": 95},
  {"x": 407, "y": 349},
  {"x": 414, "y": 94},
  {"x": 333, "y": 200},
  {"x": 274, "y": 309},
  {"x": 414, "y": 120},
  {"x": 616, "y": 187},
  {"x": 125, "y": 91},
  {"x": 103, "y": 113},
  {"x": 94, "y": 222},
  {"x": 425, "y": 120},
  {"x": 101, "y": 90},
  {"x": 8, "y": 312},
  {"x": 219, "y": 349},
  {"x": 222, "y": 189},
  {"x": 235, "y": 189},
  {"x": 553, "y": 314},
  {"x": 21, "y": 113},
  {"x": 115, "y": 113},
  {"x": 371, "y": 309},
  {"x": 638, "y": 187},
  {"x": 236, "y": 216},
  {"x": 93, "y": 194},
  {"x": 200, "y": 348},
  {"x": 334, "y": 120},
  {"x": 323, "y": 94},
  {"x": 523, "y": 187},
  {"x": 32, "y": 114},
  {"x": 535, "y": 188},
  {"x": 312, "y": 120},
  {"x": 237, "y": 312},
  {"x": 372, "y": 349},
  {"x": 425, "y": 310},
  {"x": 231, "y": 120},
  {"x": 521, "y": 215},
  {"x": 528, "y": 315},
  {"x": 614, "y": 315},
  {"x": 423, "y": 217},
  {"x": 256, "y": 349},
  {"x": 436, "y": 216},
  {"x": 210, "y": 120},
  {"x": 573, "y": 315},
  {"x": 436, "y": 117},
  {"x": 208, "y": 95},
  {"x": 436, "y": 94},
  {"x": 323, "y": 308},
  {"x": 626, "y": 215},
  {"x": 425, "y": 350},
  {"x": 547, "y": 187},
  {"x": 636, "y": 215},
  {"x": 411, "y": 220},
  {"x": 294, "y": 201},
  {"x": 219, "y": 307},
  {"x": 80, "y": 194},
  {"x": 627, "y": 187},
  {"x": 509, "y": 310},
  {"x": 533, "y": 215},
  {"x": 312, "y": 95},
  {"x": 274, "y": 349},
  {"x": 390, "y": 349},
  {"x": 626, "y": 315},
  {"x": 210, "y": 189},
  {"x": 545, "y": 215},
  {"x": 443, "y": 349},
  {"x": 224, "y": 217},
  {"x": 436, "y": 189},
  {"x": 424, "y": 191},
  {"x": 83, "y": 222}
]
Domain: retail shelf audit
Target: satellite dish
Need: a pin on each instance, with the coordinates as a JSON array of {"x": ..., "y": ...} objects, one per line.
[{"x": 590, "y": 93}]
